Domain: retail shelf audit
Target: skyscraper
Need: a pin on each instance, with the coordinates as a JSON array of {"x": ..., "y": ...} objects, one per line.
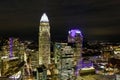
[
  {"x": 75, "y": 37},
  {"x": 44, "y": 41}
]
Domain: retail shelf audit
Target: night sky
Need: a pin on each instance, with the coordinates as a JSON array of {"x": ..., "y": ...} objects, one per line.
[{"x": 97, "y": 19}]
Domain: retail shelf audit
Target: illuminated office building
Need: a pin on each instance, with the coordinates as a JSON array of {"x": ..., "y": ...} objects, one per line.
[
  {"x": 75, "y": 37},
  {"x": 44, "y": 41},
  {"x": 64, "y": 59}
]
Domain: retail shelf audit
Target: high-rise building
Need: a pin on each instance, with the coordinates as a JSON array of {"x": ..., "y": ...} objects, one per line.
[
  {"x": 64, "y": 60},
  {"x": 75, "y": 37},
  {"x": 44, "y": 41}
]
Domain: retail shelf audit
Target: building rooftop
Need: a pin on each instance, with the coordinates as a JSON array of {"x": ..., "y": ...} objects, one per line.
[{"x": 44, "y": 18}]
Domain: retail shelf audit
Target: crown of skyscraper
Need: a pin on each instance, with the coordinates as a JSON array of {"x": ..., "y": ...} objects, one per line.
[
  {"x": 44, "y": 18},
  {"x": 73, "y": 32}
]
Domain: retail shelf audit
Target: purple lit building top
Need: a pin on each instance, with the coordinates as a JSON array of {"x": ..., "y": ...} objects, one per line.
[
  {"x": 73, "y": 32},
  {"x": 75, "y": 35}
]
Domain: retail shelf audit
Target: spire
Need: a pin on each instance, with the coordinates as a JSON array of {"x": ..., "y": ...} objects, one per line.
[{"x": 44, "y": 18}]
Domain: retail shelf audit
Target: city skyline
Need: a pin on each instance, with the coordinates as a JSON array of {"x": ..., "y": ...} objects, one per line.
[{"x": 97, "y": 20}]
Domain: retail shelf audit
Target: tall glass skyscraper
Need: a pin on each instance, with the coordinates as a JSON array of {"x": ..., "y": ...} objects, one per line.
[
  {"x": 44, "y": 41},
  {"x": 75, "y": 37}
]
